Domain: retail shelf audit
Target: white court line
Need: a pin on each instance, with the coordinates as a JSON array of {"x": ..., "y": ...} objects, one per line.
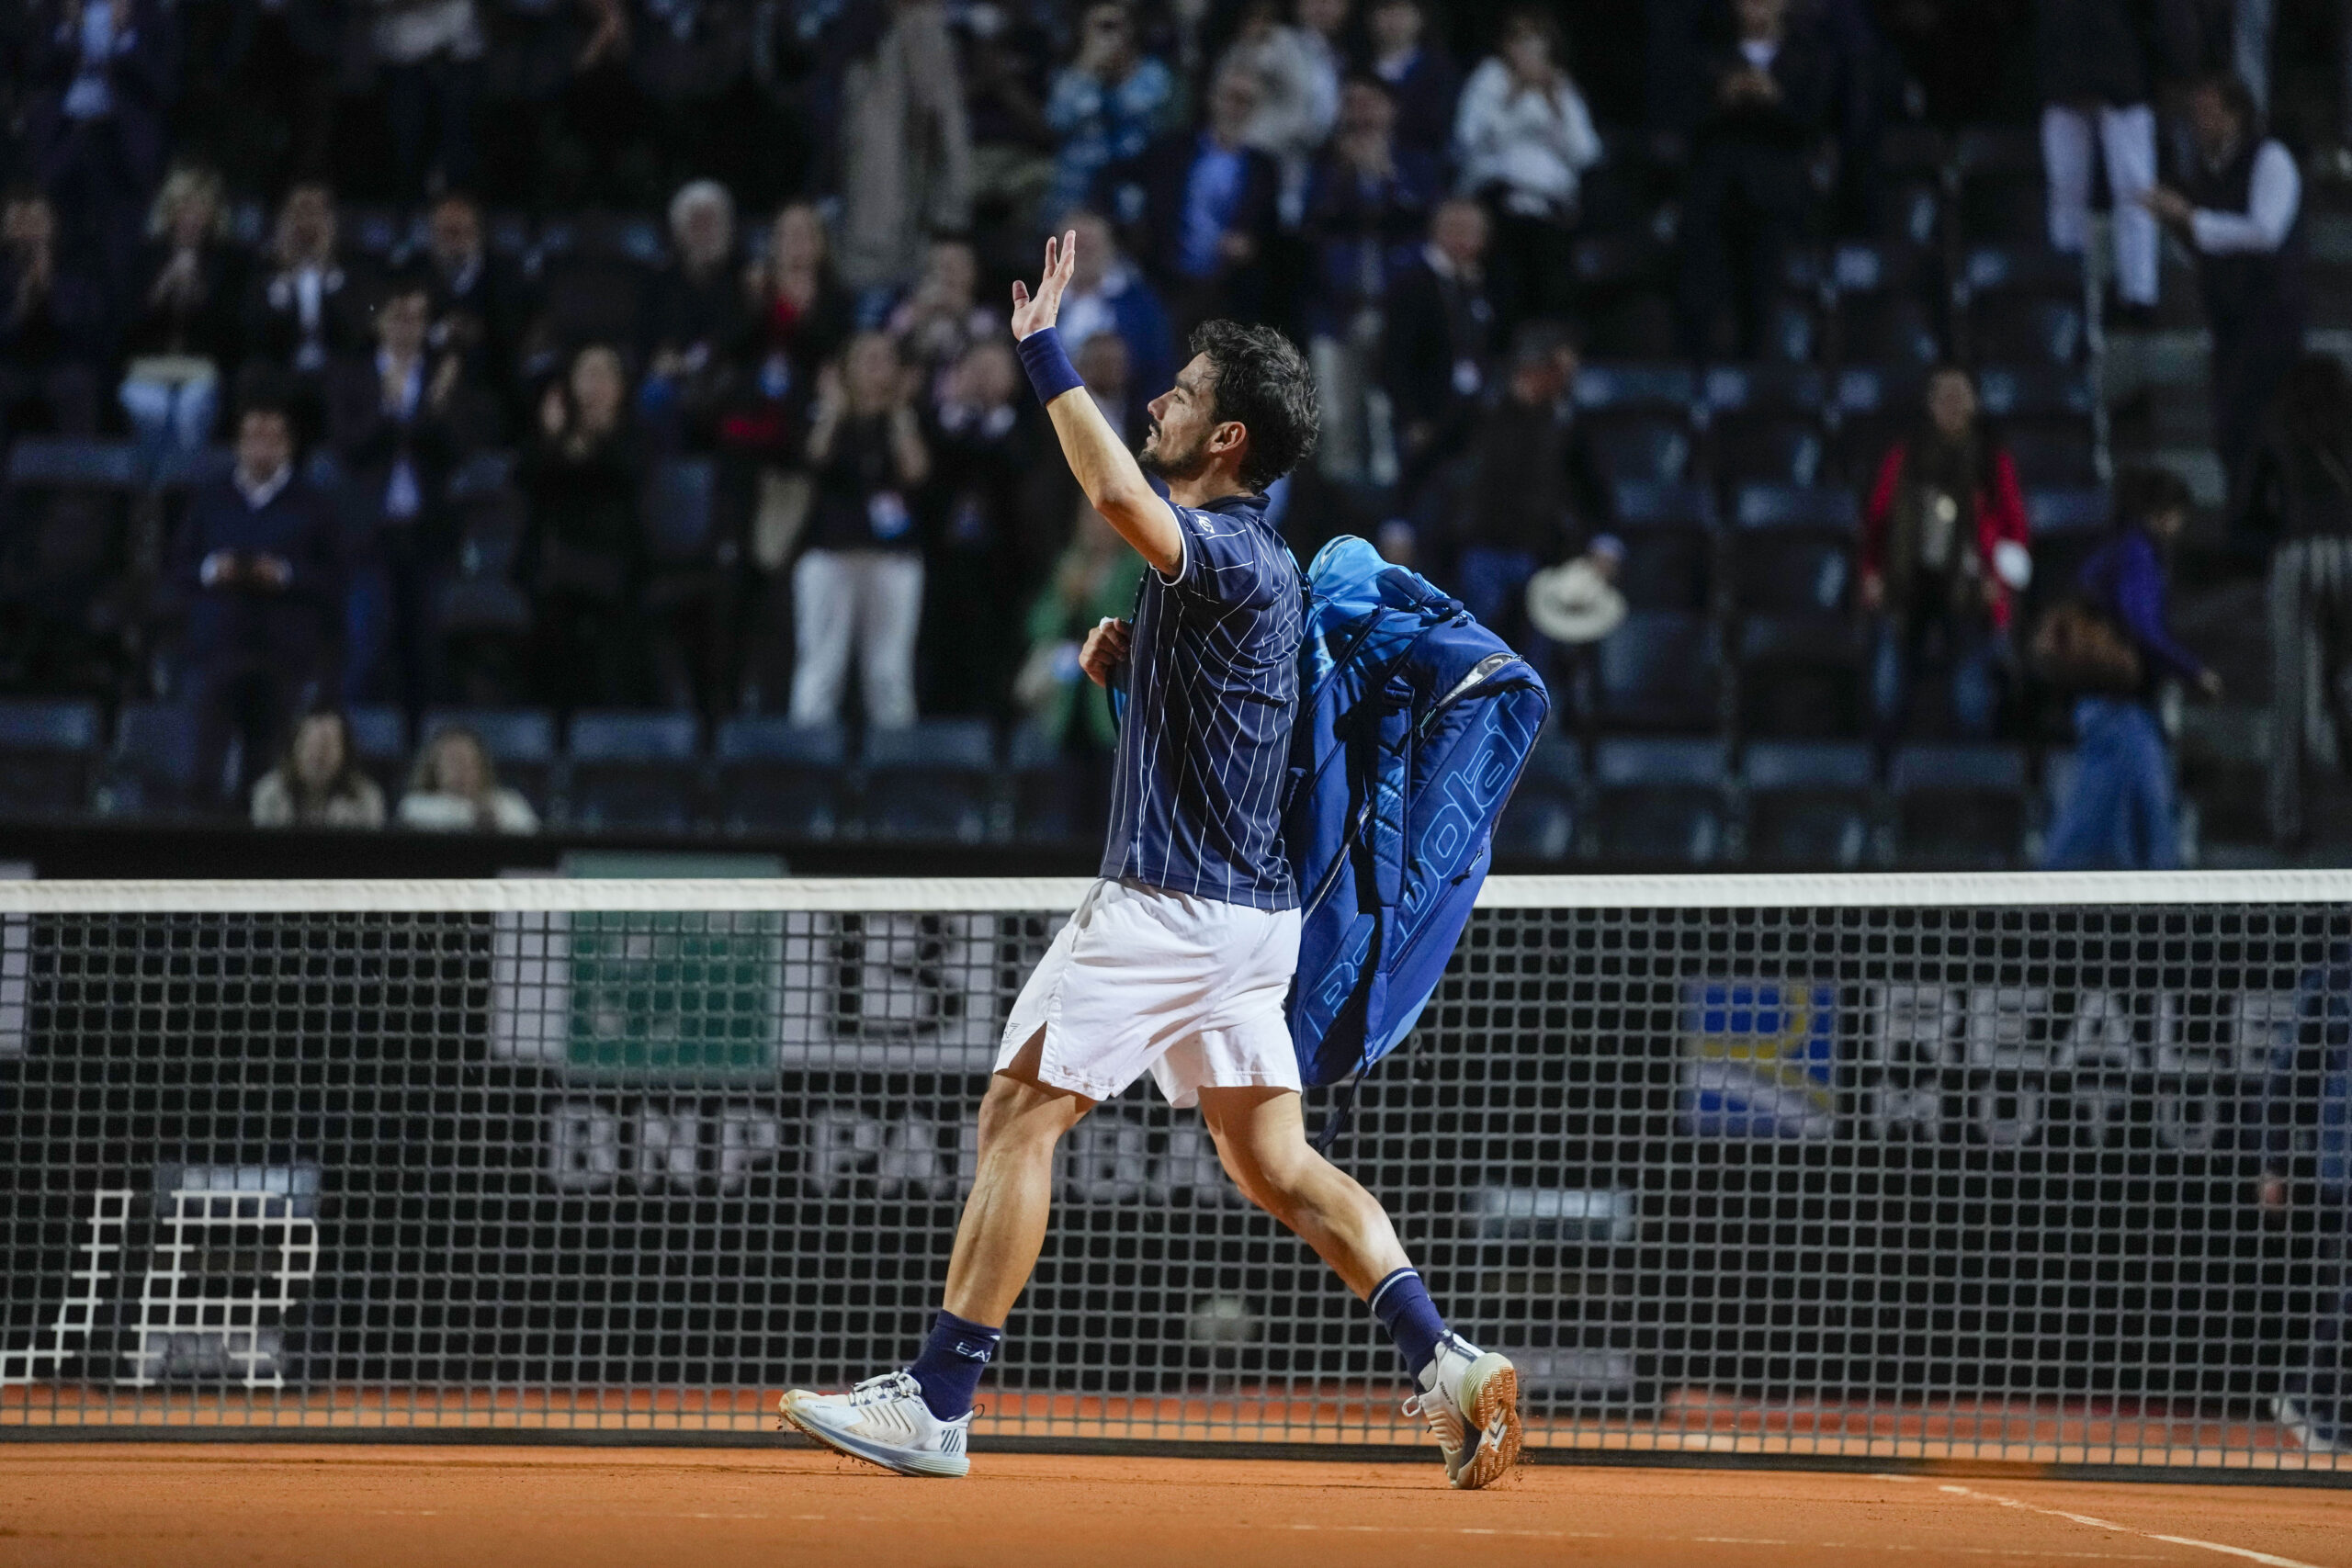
[
  {"x": 2035, "y": 1553},
  {"x": 2269, "y": 1560}
]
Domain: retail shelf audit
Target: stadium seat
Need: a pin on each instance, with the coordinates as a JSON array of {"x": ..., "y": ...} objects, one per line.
[
  {"x": 2057, "y": 453},
  {"x": 47, "y": 748},
  {"x": 2066, "y": 527},
  {"x": 2007, "y": 329},
  {"x": 1889, "y": 329},
  {"x": 633, "y": 772},
  {"x": 681, "y": 512},
  {"x": 2029, "y": 391},
  {"x": 1769, "y": 507},
  {"x": 151, "y": 770},
  {"x": 1963, "y": 806},
  {"x": 1540, "y": 822},
  {"x": 1911, "y": 210},
  {"x": 1768, "y": 448},
  {"x": 1660, "y": 670},
  {"x": 57, "y": 462},
  {"x": 178, "y": 469},
  {"x": 593, "y": 299},
  {"x": 1764, "y": 389},
  {"x": 1051, "y": 790},
  {"x": 775, "y": 779},
  {"x": 930, "y": 782},
  {"x": 1641, "y": 506},
  {"x": 520, "y": 741},
  {"x": 379, "y": 739},
  {"x": 68, "y": 602},
  {"x": 2002, "y": 197},
  {"x": 1801, "y": 676},
  {"x": 1667, "y": 565},
  {"x": 1627, "y": 388},
  {"x": 1659, "y": 802},
  {"x": 1809, "y": 804},
  {"x": 1640, "y": 447}
]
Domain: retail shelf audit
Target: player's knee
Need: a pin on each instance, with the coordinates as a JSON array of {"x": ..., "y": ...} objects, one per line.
[{"x": 1016, "y": 1113}]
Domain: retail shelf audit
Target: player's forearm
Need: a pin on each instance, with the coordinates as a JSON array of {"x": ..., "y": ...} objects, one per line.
[{"x": 1105, "y": 468}]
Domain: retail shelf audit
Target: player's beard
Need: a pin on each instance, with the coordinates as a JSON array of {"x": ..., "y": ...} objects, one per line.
[{"x": 1155, "y": 458}]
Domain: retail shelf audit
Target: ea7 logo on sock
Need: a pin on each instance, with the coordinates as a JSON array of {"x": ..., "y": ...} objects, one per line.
[{"x": 972, "y": 1352}]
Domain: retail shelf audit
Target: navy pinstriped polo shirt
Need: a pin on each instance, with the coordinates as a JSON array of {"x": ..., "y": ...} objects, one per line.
[{"x": 1212, "y": 687}]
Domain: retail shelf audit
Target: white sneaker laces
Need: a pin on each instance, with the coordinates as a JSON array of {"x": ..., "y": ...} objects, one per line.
[
  {"x": 1433, "y": 1409},
  {"x": 884, "y": 1389}
]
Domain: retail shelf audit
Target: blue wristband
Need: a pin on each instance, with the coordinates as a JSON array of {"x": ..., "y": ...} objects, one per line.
[{"x": 1050, "y": 369}]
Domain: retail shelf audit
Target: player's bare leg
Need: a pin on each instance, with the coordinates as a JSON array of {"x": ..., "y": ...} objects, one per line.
[
  {"x": 1003, "y": 1227},
  {"x": 1469, "y": 1398},
  {"x": 916, "y": 1421}
]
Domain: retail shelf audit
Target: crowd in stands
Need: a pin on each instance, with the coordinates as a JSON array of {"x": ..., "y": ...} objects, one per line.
[{"x": 652, "y": 354}]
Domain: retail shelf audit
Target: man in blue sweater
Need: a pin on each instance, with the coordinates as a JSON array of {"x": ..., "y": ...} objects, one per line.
[
  {"x": 260, "y": 563},
  {"x": 2119, "y": 816}
]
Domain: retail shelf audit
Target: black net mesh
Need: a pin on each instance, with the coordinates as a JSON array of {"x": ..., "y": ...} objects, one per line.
[{"x": 2066, "y": 1184}]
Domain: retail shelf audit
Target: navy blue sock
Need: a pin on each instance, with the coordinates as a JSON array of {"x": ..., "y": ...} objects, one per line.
[
  {"x": 952, "y": 1359},
  {"x": 1402, "y": 1303}
]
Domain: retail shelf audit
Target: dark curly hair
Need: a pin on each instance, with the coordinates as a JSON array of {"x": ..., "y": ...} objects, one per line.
[{"x": 1264, "y": 385}]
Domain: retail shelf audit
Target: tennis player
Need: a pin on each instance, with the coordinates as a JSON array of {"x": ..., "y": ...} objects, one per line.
[{"x": 1179, "y": 959}]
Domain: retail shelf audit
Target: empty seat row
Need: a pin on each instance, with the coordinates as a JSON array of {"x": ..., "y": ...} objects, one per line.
[{"x": 1692, "y": 803}]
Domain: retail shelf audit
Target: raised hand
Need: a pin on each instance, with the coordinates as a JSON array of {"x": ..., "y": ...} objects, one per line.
[{"x": 1035, "y": 315}]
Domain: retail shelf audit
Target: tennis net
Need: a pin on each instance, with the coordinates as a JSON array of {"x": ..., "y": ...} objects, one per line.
[{"x": 1992, "y": 1168}]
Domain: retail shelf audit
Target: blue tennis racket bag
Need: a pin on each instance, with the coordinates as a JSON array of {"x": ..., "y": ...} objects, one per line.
[{"x": 1414, "y": 724}]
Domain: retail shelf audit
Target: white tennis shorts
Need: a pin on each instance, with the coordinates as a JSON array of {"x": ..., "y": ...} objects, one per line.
[{"x": 1188, "y": 988}]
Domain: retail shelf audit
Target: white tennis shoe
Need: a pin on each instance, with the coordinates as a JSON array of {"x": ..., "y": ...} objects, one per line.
[
  {"x": 1470, "y": 1399},
  {"x": 884, "y": 1420}
]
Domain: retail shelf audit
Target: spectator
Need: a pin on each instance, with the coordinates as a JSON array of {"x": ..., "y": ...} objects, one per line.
[
  {"x": 1523, "y": 139},
  {"x": 2300, "y": 499},
  {"x": 1094, "y": 580},
  {"x": 1944, "y": 554},
  {"x": 1002, "y": 55},
  {"x": 906, "y": 149},
  {"x": 2093, "y": 59},
  {"x": 859, "y": 585},
  {"x": 1420, "y": 76},
  {"x": 2119, "y": 815},
  {"x": 982, "y": 450},
  {"x": 1296, "y": 72},
  {"x": 941, "y": 318},
  {"x": 305, "y": 310},
  {"x": 697, "y": 319},
  {"x": 1203, "y": 206},
  {"x": 1440, "y": 342},
  {"x": 1367, "y": 210},
  {"x": 803, "y": 314},
  {"x": 454, "y": 789},
  {"x": 258, "y": 558},
  {"x": 1750, "y": 189},
  {"x": 1107, "y": 103},
  {"x": 584, "y": 555},
  {"x": 1107, "y": 295},
  {"x": 318, "y": 783},
  {"x": 479, "y": 303},
  {"x": 398, "y": 423},
  {"x": 53, "y": 332},
  {"x": 431, "y": 53},
  {"x": 184, "y": 329},
  {"x": 1529, "y": 492},
  {"x": 102, "y": 77},
  {"x": 2240, "y": 210}
]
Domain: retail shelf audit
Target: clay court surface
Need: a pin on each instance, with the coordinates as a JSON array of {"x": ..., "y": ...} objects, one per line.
[{"x": 117, "y": 1505}]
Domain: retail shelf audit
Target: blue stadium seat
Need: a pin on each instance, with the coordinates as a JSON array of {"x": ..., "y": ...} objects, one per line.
[
  {"x": 1666, "y": 388},
  {"x": 1641, "y": 448},
  {"x": 1789, "y": 506},
  {"x": 1053, "y": 790},
  {"x": 1668, "y": 531},
  {"x": 178, "y": 469},
  {"x": 1540, "y": 822},
  {"x": 2067, "y": 527},
  {"x": 61, "y": 462},
  {"x": 1764, "y": 389},
  {"x": 151, "y": 771},
  {"x": 930, "y": 782},
  {"x": 2005, "y": 330},
  {"x": 520, "y": 741},
  {"x": 1660, "y": 670},
  {"x": 1642, "y": 505},
  {"x": 1809, "y": 804},
  {"x": 2026, "y": 391},
  {"x": 681, "y": 512},
  {"x": 1768, "y": 447},
  {"x": 1963, "y": 806},
  {"x": 1802, "y": 677},
  {"x": 2058, "y": 452},
  {"x": 1659, "y": 802},
  {"x": 633, "y": 772},
  {"x": 47, "y": 748},
  {"x": 379, "y": 741},
  {"x": 774, "y": 779}
]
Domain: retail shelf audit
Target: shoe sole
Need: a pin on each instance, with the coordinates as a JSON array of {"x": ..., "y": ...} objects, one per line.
[
  {"x": 941, "y": 1467},
  {"x": 1490, "y": 1422}
]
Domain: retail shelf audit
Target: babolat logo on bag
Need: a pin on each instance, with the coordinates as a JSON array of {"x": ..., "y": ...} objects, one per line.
[{"x": 1414, "y": 723}]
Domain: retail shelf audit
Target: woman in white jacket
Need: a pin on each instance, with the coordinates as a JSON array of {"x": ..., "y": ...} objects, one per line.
[{"x": 1523, "y": 139}]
